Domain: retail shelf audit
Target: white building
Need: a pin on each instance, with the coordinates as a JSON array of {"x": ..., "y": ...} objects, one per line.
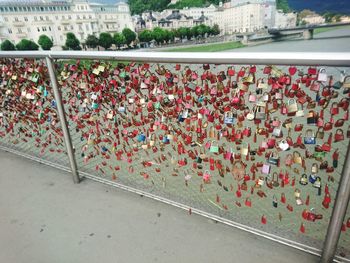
[
  {"x": 170, "y": 19},
  {"x": 239, "y": 16},
  {"x": 30, "y": 19},
  {"x": 314, "y": 19},
  {"x": 197, "y": 12},
  {"x": 285, "y": 20}
]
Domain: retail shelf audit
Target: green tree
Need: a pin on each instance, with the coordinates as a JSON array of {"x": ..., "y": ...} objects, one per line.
[
  {"x": 72, "y": 42},
  {"x": 168, "y": 36},
  {"x": 283, "y": 5},
  {"x": 159, "y": 35},
  {"x": 215, "y": 30},
  {"x": 7, "y": 45},
  {"x": 26, "y": 44},
  {"x": 194, "y": 31},
  {"x": 105, "y": 40},
  {"x": 119, "y": 39},
  {"x": 182, "y": 32},
  {"x": 129, "y": 35},
  {"x": 145, "y": 36},
  {"x": 45, "y": 42},
  {"x": 92, "y": 41},
  {"x": 139, "y": 6},
  {"x": 189, "y": 33},
  {"x": 337, "y": 18},
  {"x": 188, "y": 3}
]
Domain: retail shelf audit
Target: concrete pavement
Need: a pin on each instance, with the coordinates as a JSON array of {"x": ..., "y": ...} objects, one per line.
[{"x": 44, "y": 218}]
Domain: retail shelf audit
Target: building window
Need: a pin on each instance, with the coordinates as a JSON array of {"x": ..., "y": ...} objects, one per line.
[
  {"x": 49, "y": 28},
  {"x": 87, "y": 26},
  {"x": 25, "y": 18},
  {"x": 59, "y": 28},
  {"x": 41, "y": 18},
  {"x": 47, "y": 18},
  {"x": 16, "y": 19},
  {"x": 78, "y": 17},
  {"x": 19, "y": 30},
  {"x": 69, "y": 17},
  {"x": 56, "y": 17},
  {"x": 71, "y": 27},
  {"x": 6, "y": 19},
  {"x": 35, "y": 18},
  {"x": 61, "y": 37},
  {"x": 38, "y": 29},
  {"x": 9, "y": 30}
]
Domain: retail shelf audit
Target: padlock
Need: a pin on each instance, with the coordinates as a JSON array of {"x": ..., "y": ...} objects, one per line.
[
  {"x": 303, "y": 180},
  {"x": 283, "y": 145},
  {"x": 312, "y": 118},
  {"x": 298, "y": 201},
  {"x": 248, "y": 202},
  {"x": 314, "y": 168},
  {"x": 274, "y": 201},
  {"x": 322, "y": 75},
  {"x": 214, "y": 147},
  {"x": 309, "y": 137},
  {"x": 245, "y": 149},
  {"x": 292, "y": 106},
  {"x": 317, "y": 183},
  {"x": 229, "y": 118},
  {"x": 260, "y": 182},
  {"x": 297, "y": 193}
]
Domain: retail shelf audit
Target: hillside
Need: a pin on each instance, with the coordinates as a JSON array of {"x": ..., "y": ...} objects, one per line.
[{"x": 320, "y": 6}]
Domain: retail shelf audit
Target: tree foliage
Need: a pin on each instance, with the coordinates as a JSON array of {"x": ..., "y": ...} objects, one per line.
[
  {"x": 7, "y": 45},
  {"x": 215, "y": 30},
  {"x": 145, "y": 36},
  {"x": 129, "y": 35},
  {"x": 105, "y": 40},
  {"x": 92, "y": 41},
  {"x": 119, "y": 39},
  {"x": 72, "y": 42},
  {"x": 331, "y": 17},
  {"x": 194, "y": 3},
  {"x": 45, "y": 42},
  {"x": 26, "y": 44},
  {"x": 283, "y": 5},
  {"x": 139, "y": 6},
  {"x": 159, "y": 35}
]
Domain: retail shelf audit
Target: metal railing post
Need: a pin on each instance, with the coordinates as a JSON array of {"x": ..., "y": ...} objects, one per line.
[
  {"x": 64, "y": 124},
  {"x": 338, "y": 214}
]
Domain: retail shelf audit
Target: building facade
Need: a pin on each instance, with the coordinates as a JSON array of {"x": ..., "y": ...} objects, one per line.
[
  {"x": 285, "y": 20},
  {"x": 245, "y": 16},
  {"x": 30, "y": 19},
  {"x": 314, "y": 19}
]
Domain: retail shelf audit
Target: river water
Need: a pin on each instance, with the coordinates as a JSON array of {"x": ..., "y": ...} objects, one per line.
[{"x": 331, "y": 41}]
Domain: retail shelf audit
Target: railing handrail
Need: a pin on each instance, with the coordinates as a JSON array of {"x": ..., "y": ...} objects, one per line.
[{"x": 257, "y": 58}]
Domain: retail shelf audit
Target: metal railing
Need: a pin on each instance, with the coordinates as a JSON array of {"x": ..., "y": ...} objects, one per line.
[{"x": 300, "y": 59}]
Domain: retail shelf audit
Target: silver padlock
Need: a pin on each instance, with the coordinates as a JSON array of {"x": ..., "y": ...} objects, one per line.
[{"x": 322, "y": 75}]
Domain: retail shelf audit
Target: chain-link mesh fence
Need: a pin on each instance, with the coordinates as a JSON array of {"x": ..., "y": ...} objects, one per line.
[
  {"x": 262, "y": 146},
  {"x": 28, "y": 118}
]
